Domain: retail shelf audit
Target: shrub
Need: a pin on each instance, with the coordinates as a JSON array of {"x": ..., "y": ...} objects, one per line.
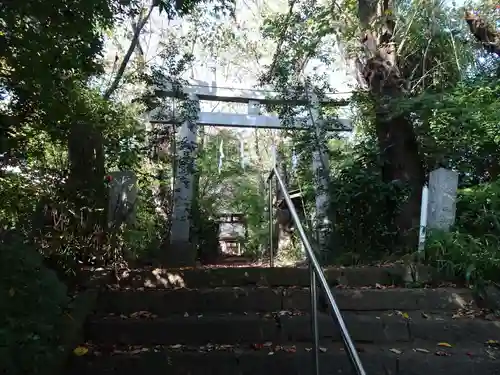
[
  {"x": 475, "y": 259},
  {"x": 472, "y": 249},
  {"x": 32, "y": 300}
]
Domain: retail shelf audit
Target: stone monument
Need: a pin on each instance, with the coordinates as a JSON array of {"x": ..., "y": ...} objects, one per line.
[
  {"x": 443, "y": 185},
  {"x": 122, "y": 198}
]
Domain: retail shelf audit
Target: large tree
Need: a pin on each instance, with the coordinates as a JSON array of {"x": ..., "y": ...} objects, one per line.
[{"x": 396, "y": 136}]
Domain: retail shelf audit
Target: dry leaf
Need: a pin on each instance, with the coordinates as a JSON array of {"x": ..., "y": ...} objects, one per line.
[
  {"x": 444, "y": 345},
  {"x": 80, "y": 350},
  {"x": 138, "y": 351},
  {"x": 176, "y": 346},
  {"x": 322, "y": 350},
  {"x": 425, "y": 316},
  {"x": 396, "y": 351},
  {"x": 492, "y": 343},
  {"x": 421, "y": 350},
  {"x": 405, "y": 315}
]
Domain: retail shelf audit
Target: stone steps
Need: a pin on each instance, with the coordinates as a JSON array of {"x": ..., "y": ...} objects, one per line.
[
  {"x": 290, "y": 359},
  {"x": 251, "y": 328},
  {"x": 391, "y": 274},
  {"x": 246, "y": 321},
  {"x": 246, "y": 299}
]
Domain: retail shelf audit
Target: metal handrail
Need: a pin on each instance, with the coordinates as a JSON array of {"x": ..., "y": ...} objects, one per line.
[{"x": 316, "y": 274}]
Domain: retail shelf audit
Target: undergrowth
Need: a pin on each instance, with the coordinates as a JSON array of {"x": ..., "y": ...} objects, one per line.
[
  {"x": 32, "y": 300},
  {"x": 472, "y": 249}
]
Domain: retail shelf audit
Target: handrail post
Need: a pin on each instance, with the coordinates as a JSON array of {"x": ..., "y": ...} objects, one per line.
[
  {"x": 271, "y": 253},
  {"x": 314, "y": 318}
]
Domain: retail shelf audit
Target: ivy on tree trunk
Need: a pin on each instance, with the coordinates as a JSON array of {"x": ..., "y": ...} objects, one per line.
[{"x": 395, "y": 134}]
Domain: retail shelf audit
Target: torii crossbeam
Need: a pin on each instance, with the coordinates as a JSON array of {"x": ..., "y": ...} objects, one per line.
[{"x": 253, "y": 99}]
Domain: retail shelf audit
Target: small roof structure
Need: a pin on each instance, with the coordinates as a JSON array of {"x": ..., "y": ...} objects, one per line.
[{"x": 232, "y": 227}]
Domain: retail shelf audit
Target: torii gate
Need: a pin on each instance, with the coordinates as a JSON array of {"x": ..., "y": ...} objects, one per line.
[{"x": 184, "y": 178}]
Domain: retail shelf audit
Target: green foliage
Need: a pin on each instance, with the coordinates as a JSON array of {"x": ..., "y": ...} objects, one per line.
[
  {"x": 472, "y": 249},
  {"x": 478, "y": 210},
  {"x": 32, "y": 301},
  {"x": 363, "y": 230},
  {"x": 234, "y": 189},
  {"x": 474, "y": 259}
]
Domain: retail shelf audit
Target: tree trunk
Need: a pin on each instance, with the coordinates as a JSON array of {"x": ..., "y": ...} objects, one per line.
[
  {"x": 395, "y": 134},
  {"x": 484, "y": 33},
  {"x": 86, "y": 148},
  {"x": 283, "y": 223},
  {"x": 86, "y": 184}
]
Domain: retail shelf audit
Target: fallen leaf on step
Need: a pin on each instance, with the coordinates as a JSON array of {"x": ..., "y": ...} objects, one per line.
[
  {"x": 322, "y": 350},
  {"x": 425, "y": 316},
  {"x": 421, "y": 350},
  {"x": 440, "y": 353},
  {"x": 138, "y": 351},
  {"x": 444, "y": 345},
  {"x": 405, "y": 315},
  {"x": 267, "y": 344},
  {"x": 291, "y": 349},
  {"x": 176, "y": 346},
  {"x": 378, "y": 286},
  {"x": 270, "y": 353},
  {"x": 396, "y": 351},
  {"x": 143, "y": 314},
  {"x": 308, "y": 349},
  {"x": 80, "y": 350},
  {"x": 492, "y": 343}
]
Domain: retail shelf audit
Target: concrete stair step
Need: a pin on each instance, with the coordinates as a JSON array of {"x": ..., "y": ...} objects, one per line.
[
  {"x": 253, "y": 328},
  {"x": 281, "y": 276},
  {"x": 261, "y": 299},
  {"x": 290, "y": 359}
]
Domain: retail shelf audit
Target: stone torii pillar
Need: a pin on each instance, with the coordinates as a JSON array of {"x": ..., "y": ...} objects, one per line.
[
  {"x": 323, "y": 224},
  {"x": 181, "y": 251}
]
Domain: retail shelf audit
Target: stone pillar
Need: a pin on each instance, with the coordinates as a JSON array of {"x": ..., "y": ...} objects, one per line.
[
  {"x": 181, "y": 251},
  {"x": 443, "y": 185},
  {"x": 320, "y": 171}
]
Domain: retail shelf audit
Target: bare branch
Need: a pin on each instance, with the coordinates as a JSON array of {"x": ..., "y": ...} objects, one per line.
[{"x": 143, "y": 20}]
